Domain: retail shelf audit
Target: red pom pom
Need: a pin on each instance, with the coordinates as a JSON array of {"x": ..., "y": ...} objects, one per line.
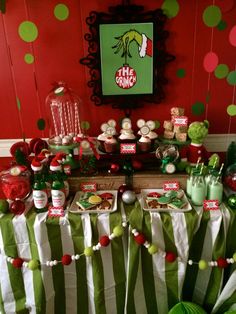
[
  {"x": 222, "y": 263},
  {"x": 66, "y": 259},
  {"x": 104, "y": 240},
  {"x": 140, "y": 239},
  {"x": 170, "y": 257},
  {"x": 17, "y": 262}
]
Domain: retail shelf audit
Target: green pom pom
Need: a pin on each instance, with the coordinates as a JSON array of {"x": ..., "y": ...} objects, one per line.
[
  {"x": 88, "y": 251},
  {"x": 33, "y": 264},
  {"x": 4, "y": 206},
  {"x": 234, "y": 257},
  {"x": 202, "y": 264},
  {"x": 153, "y": 249},
  {"x": 187, "y": 307},
  {"x": 118, "y": 231}
]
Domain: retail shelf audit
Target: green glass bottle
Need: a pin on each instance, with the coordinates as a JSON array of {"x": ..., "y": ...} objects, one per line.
[
  {"x": 58, "y": 186},
  {"x": 40, "y": 196}
]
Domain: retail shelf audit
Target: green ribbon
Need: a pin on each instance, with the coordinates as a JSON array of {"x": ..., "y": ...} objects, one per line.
[{"x": 165, "y": 161}]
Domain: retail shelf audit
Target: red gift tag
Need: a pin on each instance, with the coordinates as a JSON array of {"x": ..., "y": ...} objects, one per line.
[
  {"x": 211, "y": 205},
  {"x": 180, "y": 121},
  {"x": 88, "y": 187},
  {"x": 55, "y": 211},
  {"x": 171, "y": 185},
  {"x": 129, "y": 148}
]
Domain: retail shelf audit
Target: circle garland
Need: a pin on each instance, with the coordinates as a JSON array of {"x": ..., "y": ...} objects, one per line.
[{"x": 105, "y": 240}]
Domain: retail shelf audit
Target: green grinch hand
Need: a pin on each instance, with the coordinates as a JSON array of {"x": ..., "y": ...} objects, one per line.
[{"x": 124, "y": 41}]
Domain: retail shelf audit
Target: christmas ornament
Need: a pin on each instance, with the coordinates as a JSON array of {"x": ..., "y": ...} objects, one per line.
[
  {"x": 122, "y": 189},
  {"x": 230, "y": 177},
  {"x": 137, "y": 164},
  {"x": 17, "y": 207},
  {"x": 128, "y": 197},
  {"x": 4, "y": 206},
  {"x": 231, "y": 201},
  {"x": 114, "y": 168},
  {"x": 125, "y": 77},
  {"x": 127, "y": 168}
]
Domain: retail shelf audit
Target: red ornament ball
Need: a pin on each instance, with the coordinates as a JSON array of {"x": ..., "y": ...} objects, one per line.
[
  {"x": 122, "y": 189},
  {"x": 137, "y": 164},
  {"x": 66, "y": 259},
  {"x": 104, "y": 240},
  {"x": 17, "y": 207},
  {"x": 170, "y": 257},
  {"x": 140, "y": 239},
  {"x": 17, "y": 262},
  {"x": 221, "y": 262},
  {"x": 114, "y": 168}
]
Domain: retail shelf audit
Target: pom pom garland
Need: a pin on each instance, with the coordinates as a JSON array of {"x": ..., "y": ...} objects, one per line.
[{"x": 105, "y": 240}]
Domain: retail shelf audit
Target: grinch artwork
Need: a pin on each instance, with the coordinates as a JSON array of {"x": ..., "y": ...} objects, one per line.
[{"x": 126, "y": 58}]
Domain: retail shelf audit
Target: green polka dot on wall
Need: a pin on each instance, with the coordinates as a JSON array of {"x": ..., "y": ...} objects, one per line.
[
  {"x": 231, "y": 78},
  {"x": 85, "y": 125},
  {"x": 61, "y": 12},
  {"x": 180, "y": 73},
  {"x": 198, "y": 108},
  {"x": 222, "y": 26},
  {"x": 41, "y": 124},
  {"x": 212, "y": 16},
  {"x": 231, "y": 110},
  {"x": 170, "y": 8},
  {"x": 221, "y": 71},
  {"x": 28, "y": 31},
  {"x": 29, "y": 58}
]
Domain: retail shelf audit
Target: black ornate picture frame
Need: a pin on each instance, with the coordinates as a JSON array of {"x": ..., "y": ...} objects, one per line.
[{"x": 129, "y": 43}]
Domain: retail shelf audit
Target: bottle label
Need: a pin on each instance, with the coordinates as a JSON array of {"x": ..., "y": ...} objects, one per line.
[
  {"x": 58, "y": 198},
  {"x": 40, "y": 198}
]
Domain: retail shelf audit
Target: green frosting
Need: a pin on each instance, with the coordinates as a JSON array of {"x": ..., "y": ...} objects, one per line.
[{"x": 187, "y": 308}]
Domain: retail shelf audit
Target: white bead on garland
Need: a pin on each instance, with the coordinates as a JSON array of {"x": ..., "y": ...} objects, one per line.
[{"x": 105, "y": 240}]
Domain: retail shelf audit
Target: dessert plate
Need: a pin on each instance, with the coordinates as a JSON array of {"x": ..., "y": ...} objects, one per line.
[
  {"x": 102, "y": 202},
  {"x": 158, "y": 200}
]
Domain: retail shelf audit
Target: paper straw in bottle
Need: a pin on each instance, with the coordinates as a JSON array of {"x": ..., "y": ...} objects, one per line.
[
  {"x": 78, "y": 119},
  {"x": 198, "y": 161}
]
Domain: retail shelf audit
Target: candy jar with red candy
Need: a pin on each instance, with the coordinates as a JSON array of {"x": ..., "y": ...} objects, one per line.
[{"x": 15, "y": 184}]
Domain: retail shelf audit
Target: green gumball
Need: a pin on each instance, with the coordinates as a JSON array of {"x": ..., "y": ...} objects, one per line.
[{"x": 231, "y": 201}]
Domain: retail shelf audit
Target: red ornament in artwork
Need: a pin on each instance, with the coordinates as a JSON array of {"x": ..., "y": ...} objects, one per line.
[
  {"x": 66, "y": 259},
  {"x": 170, "y": 257},
  {"x": 104, "y": 240},
  {"x": 126, "y": 77},
  {"x": 140, "y": 239},
  {"x": 221, "y": 262},
  {"x": 17, "y": 262}
]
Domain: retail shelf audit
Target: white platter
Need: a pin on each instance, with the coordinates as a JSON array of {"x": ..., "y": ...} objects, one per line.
[
  {"x": 145, "y": 207},
  {"x": 74, "y": 208}
]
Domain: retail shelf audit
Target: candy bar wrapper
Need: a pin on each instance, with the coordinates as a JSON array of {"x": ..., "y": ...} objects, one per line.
[
  {"x": 177, "y": 111},
  {"x": 169, "y": 134},
  {"x": 168, "y": 125},
  {"x": 180, "y": 128},
  {"x": 181, "y": 137}
]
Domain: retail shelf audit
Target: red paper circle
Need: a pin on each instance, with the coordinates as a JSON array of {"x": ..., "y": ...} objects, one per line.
[
  {"x": 170, "y": 257},
  {"x": 104, "y": 240},
  {"x": 66, "y": 259},
  {"x": 232, "y": 36},
  {"x": 17, "y": 262},
  {"x": 210, "y": 61},
  {"x": 140, "y": 239}
]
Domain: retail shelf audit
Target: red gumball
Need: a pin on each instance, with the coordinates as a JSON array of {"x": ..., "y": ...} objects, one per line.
[
  {"x": 170, "y": 257},
  {"x": 17, "y": 262},
  {"x": 221, "y": 262},
  {"x": 104, "y": 240},
  {"x": 137, "y": 164},
  {"x": 17, "y": 207},
  {"x": 140, "y": 239},
  {"x": 66, "y": 259}
]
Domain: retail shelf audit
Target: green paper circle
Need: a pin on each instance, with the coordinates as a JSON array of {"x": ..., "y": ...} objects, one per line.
[
  {"x": 180, "y": 73},
  {"x": 221, "y": 71},
  {"x": 29, "y": 58},
  {"x": 231, "y": 110},
  {"x": 85, "y": 125},
  {"x": 28, "y": 31},
  {"x": 222, "y": 25},
  {"x": 41, "y": 124},
  {"x": 198, "y": 108},
  {"x": 61, "y": 12},
  {"x": 231, "y": 78},
  {"x": 170, "y": 8},
  {"x": 212, "y": 16}
]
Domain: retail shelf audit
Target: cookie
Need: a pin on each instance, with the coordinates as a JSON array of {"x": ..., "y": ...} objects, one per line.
[
  {"x": 153, "y": 195},
  {"x": 177, "y": 204},
  {"x": 104, "y": 205},
  {"x": 95, "y": 199},
  {"x": 164, "y": 200},
  {"x": 171, "y": 194},
  {"x": 153, "y": 204}
]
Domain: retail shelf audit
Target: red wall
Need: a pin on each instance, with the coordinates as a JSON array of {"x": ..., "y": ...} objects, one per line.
[{"x": 60, "y": 45}]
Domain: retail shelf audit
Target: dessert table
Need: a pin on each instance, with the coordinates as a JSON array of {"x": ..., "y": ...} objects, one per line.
[{"x": 121, "y": 277}]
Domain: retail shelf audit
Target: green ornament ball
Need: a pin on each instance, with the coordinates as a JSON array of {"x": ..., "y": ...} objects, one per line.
[
  {"x": 202, "y": 264},
  {"x": 153, "y": 249},
  {"x": 4, "y": 206},
  {"x": 33, "y": 264},
  {"x": 231, "y": 201},
  {"x": 88, "y": 251},
  {"x": 118, "y": 231}
]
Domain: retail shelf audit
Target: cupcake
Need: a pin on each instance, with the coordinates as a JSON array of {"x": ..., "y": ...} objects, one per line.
[
  {"x": 101, "y": 140},
  {"x": 144, "y": 144},
  {"x": 110, "y": 144},
  {"x": 126, "y": 133}
]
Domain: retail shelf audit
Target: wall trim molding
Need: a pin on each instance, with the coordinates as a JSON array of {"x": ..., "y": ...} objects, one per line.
[{"x": 213, "y": 143}]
